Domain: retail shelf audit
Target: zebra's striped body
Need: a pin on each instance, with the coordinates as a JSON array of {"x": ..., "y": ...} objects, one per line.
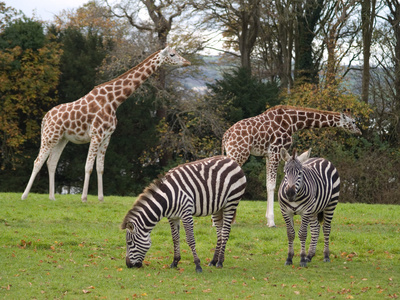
[
  {"x": 310, "y": 189},
  {"x": 212, "y": 186}
]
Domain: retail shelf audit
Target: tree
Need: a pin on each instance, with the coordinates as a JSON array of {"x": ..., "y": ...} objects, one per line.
[
  {"x": 308, "y": 15},
  {"x": 29, "y": 76},
  {"x": 368, "y": 15},
  {"x": 243, "y": 95},
  {"x": 239, "y": 22},
  {"x": 276, "y": 42}
]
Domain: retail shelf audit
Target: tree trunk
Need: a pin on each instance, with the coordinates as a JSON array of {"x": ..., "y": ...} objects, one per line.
[
  {"x": 368, "y": 8},
  {"x": 308, "y": 15}
]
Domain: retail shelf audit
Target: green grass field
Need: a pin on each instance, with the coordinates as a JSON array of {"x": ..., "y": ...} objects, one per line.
[{"x": 74, "y": 250}]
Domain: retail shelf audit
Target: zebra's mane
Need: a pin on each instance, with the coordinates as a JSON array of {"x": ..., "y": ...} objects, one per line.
[
  {"x": 150, "y": 190},
  {"x": 142, "y": 198}
]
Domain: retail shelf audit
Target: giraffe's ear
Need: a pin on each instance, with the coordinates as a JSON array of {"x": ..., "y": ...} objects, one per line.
[
  {"x": 165, "y": 51},
  {"x": 304, "y": 156},
  {"x": 284, "y": 154}
]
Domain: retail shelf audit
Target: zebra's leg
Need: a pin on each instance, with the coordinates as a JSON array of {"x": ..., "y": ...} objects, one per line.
[
  {"x": 314, "y": 229},
  {"x": 290, "y": 235},
  {"x": 303, "y": 237},
  {"x": 217, "y": 221},
  {"x": 187, "y": 222},
  {"x": 228, "y": 216},
  {"x": 327, "y": 231},
  {"x": 174, "y": 223}
]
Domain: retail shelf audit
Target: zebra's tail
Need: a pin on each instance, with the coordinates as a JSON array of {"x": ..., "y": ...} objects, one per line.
[{"x": 321, "y": 217}]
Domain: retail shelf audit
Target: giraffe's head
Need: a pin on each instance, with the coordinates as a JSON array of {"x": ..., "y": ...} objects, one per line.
[
  {"x": 171, "y": 57},
  {"x": 293, "y": 180},
  {"x": 348, "y": 122}
]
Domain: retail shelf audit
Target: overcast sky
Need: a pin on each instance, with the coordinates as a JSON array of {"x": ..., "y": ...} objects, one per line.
[{"x": 44, "y": 9}]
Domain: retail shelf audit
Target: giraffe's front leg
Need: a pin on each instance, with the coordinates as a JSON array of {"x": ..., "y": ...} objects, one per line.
[{"x": 272, "y": 167}]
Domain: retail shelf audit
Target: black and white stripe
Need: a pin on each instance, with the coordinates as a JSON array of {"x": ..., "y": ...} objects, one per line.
[
  {"x": 310, "y": 189},
  {"x": 212, "y": 186}
]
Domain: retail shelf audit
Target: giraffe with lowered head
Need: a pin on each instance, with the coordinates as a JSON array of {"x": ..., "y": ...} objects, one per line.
[
  {"x": 266, "y": 134},
  {"x": 92, "y": 118}
]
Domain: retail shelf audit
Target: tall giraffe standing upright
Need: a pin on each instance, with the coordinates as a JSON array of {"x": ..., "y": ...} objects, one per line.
[
  {"x": 92, "y": 118},
  {"x": 266, "y": 134}
]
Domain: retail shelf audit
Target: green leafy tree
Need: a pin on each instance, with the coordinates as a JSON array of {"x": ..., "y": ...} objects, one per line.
[
  {"x": 243, "y": 95},
  {"x": 28, "y": 78}
]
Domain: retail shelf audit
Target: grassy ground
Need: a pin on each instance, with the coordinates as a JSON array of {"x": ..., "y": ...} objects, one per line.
[{"x": 74, "y": 250}]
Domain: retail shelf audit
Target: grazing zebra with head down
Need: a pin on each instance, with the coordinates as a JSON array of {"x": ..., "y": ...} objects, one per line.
[
  {"x": 212, "y": 186},
  {"x": 310, "y": 189}
]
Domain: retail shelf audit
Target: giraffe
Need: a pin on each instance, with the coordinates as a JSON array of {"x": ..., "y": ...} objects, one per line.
[
  {"x": 92, "y": 118},
  {"x": 266, "y": 134}
]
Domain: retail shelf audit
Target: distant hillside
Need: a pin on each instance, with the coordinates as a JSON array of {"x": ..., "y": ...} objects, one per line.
[{"x": 210, "y": 69}]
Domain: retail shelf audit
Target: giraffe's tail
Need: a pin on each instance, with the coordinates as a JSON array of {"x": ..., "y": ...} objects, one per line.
[{"x": 225, "y": 138}]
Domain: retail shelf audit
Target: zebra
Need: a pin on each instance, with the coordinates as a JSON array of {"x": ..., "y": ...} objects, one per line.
[
  {"x": 211, "y": 186},
  {"x": 310, "y": 188}
]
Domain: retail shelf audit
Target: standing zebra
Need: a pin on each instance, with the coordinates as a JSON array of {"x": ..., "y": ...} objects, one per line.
[
  {"x": 310, "y": 189},
  {"x": 212, "y": 186}
]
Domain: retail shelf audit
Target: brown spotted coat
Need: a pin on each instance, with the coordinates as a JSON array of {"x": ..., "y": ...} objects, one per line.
[
  {"x": 92, "y": 118},
  {"x": 266, "y": 134}
]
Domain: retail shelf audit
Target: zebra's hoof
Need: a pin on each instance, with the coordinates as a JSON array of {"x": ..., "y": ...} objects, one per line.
[
  {"x": 288, "y": 263},
  {"x": 199, "y": 269},
  {"x": 219, "y": 265},
  {"x": 326, "y": 259},
  {"x": 212, "y": 264},
  {"x": 303, "y": 264}
]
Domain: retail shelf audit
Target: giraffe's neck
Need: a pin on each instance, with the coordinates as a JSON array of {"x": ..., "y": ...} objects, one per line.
[
  {"x": 311, "y": 118},
  {"x": 119, "y": 89}
]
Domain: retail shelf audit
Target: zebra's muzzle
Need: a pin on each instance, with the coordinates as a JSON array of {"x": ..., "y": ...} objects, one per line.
[
  {"x": 131, "y": 265},
  {"x": 291, "y": 193}
]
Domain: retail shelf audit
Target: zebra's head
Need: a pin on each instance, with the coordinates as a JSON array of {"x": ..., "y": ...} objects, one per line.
[
  {"x": 293, "y": 172},
  {"x": 138, "y": 242},
  {"x": 348, "y": 123}
]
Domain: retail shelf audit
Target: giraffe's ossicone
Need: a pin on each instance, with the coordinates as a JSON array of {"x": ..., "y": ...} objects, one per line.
[{"x": 92, "y": 119}]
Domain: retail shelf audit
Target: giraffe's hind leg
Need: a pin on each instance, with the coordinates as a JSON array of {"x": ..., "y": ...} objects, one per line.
[
  {"x": 37, "y": 165},
  {"x": 54, "y": 156}
]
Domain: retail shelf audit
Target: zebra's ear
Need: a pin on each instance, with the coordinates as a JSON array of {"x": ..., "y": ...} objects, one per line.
[
  {"x": 304, "y": 156},
  {"x": 128, "y": 225},
  {"x": 131, "y": 227},
  {"x": 284, "y": 154}
]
